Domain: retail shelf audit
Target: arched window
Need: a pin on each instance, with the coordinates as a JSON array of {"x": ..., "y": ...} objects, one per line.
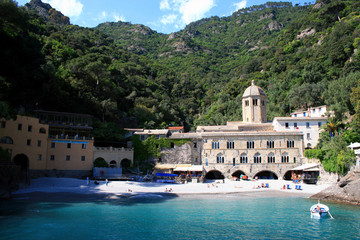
[
  {"x": 285, "y": 158},
  {"x": 243, "y": 158},
  {"x": 113, "y": 164},
  {"x": 42, "y": 130},
  {"x": 271, "y": 158},
  {"x": 257, "y": 158},
  {"x": 7, "y": 140},
  {"x": 220, "y": 158},
  {"x": 309, "y": 145}
]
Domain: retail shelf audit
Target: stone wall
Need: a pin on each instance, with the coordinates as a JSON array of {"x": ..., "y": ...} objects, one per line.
[
  {"x": 114, "y": 154},
  {"x": 184, "y": 154}
]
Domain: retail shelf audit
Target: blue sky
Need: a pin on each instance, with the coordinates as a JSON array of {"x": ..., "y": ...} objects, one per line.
[{"x": 164, "y": 16}]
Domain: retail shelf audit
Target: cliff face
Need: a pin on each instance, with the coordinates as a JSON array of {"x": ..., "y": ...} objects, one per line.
[
  {"x": 47, "y": 12},
  {"x": 179, "y": 155},
  {"x": 347, "y": 190}
]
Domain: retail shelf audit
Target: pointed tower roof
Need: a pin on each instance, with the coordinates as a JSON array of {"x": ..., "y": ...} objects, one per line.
[{"x": 253, "y": 90}]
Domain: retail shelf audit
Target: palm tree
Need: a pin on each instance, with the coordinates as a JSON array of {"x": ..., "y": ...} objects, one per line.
[{"x": 334, "y": 126}]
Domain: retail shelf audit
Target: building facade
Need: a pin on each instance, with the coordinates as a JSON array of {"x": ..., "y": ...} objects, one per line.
[
  {"x": 51, "y": 143},
  {"x": 115, "y": 157},
  {"x": 321, "y": 111},
  {"x": 253, "y": 147},
  {"x": 26, "y": 140},
  {"x": 309, "y": 126},
  {"x": 57, "y": 144}
]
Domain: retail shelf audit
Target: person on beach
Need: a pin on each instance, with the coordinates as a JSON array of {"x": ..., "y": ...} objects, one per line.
[
  {"x": 106, "y": 182},
  {"x": 87, "y": 181}
]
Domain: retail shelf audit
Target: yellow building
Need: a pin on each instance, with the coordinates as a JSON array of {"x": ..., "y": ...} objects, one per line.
[
  {"x": 53, "y": 143},
  {"x": 25, "y": 139}
]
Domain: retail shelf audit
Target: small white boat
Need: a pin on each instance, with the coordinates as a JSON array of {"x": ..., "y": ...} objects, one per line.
[{"x": 320, "y": 211}]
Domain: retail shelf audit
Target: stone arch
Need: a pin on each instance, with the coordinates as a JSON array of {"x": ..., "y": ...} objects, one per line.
[
  {"x": 287, "y": 175},
  {"x": 214, "y": 174},
  {"x": 7, "y": 140},
  {"x": 266, "y": 175},
  {"x": 237, "y": 173},
  {"x": 125, "y": 163},
  {"x": 42, "y": 130},
  {"x": 113, "y": 164},
  {"x": 22, "y": 161},
  {"x": 100, "y": 162}
]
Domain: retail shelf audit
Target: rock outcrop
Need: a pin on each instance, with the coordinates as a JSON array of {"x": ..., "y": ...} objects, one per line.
[
  {"x": 183, "y": 154},
  {"x": 305, "y": 33},
  {"x": 47, "y": 12},
  {"x": 347, "y": 190}
]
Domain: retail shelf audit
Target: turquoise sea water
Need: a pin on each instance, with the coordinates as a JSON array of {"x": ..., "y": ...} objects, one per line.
[{"x": 157, "y": 217}]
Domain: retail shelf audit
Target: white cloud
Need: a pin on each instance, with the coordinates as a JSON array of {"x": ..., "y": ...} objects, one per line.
[
  {"x": 189, "y": 10},
  {"x": 240, "y": 5},
  {"x": 164, "y": 5},
  {"x": 193, "y": 10},
  {"x": 119, "y": 17},
  {"x": 102, "y": 16},
  {"x": 70, "y": 8},
  {"x": 168, "y": 19}
]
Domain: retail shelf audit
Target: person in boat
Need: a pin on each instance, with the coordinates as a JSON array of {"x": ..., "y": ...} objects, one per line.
[{"x": 318, "y": 208}]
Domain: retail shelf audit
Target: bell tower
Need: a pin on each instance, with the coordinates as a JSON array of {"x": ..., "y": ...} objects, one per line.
[{"x": 254, "y": 103}]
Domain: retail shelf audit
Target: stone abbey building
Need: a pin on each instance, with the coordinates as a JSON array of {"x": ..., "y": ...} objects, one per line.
[{"x": 253, "y": 147}]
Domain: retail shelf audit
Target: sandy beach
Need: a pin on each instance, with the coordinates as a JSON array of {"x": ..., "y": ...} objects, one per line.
[{"x": 77, "y": 189}]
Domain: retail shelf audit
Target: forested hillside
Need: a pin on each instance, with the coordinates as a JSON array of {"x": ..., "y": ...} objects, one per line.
[{"x": 131, "y": 76}]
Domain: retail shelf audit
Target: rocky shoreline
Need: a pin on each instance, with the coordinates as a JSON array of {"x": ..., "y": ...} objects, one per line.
[{"x": 347, "y": 190}]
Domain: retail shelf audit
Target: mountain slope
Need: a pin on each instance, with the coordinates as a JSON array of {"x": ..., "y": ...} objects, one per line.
[{"x": 300, "y": 55}]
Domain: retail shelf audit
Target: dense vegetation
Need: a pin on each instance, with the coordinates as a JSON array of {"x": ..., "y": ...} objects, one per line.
[{"x": 129, "y": 75}]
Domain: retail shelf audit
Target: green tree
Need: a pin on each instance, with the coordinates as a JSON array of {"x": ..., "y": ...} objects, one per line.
[
  {"x": 100, "y": 162},
  {"x": 355, "y": 100}
]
